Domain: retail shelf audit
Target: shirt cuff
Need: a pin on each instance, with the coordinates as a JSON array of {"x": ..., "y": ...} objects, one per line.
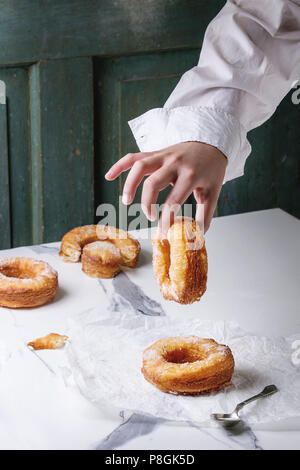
[{"x": 162, "y": 127}]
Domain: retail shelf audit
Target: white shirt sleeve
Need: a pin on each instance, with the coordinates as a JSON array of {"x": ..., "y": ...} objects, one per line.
[{"x": 249, "y": 61}]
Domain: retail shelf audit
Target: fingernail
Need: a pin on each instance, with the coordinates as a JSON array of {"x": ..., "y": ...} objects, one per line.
[
  {"x": 108, "y": 174},
  {"x": 151, "y": 217},
  {"x": 152, "y": 214},
  {"x": 162, "y": 232},
  {"x": 149, "y": 213},
  {"x": 125, "y": 199}
]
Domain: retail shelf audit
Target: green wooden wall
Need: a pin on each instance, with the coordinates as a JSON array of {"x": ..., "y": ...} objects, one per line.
[{"x": 75, "y": 72}]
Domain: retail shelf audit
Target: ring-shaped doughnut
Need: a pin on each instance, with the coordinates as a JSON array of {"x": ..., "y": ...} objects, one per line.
[
  {"x": 187, "y": 365},
  {"x": 26, "y": 282},
  {"x": 74, "y": 241},
  {"x": 180, "y": 261}
]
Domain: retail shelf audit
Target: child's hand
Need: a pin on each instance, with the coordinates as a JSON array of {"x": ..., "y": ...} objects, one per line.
[{"x": 189, "y": 167}]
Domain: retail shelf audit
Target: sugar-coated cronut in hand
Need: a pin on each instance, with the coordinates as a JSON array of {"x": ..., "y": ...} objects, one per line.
[{"x": 180, "y": 261}]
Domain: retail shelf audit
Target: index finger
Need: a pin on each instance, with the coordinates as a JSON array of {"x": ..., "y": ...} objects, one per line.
[{"x": 124, "y": 164}]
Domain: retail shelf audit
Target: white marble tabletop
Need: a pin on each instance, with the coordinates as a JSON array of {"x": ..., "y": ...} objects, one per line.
[{"x": 254, "y": 279}]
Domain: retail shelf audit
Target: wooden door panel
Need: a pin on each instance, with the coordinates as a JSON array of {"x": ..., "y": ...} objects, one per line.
[
  {"x": 49, "y": 150},
  {"x": 17, "y": 86},
  {"x": 54, "y": 29},
  {"x": 62, "y": 107}
]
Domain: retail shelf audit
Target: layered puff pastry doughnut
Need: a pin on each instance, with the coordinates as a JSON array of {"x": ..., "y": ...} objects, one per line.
[
  {"x": 26, "y": 282},
  {"x": 180, "y": 261},
  {"x": 101, "y": 259},
  {"x": 187, "y": 365},
  {"x": 74, "y": 241}
]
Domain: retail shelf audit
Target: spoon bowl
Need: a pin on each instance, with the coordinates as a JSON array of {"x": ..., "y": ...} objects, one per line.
[{"x": 231, "y": 419}]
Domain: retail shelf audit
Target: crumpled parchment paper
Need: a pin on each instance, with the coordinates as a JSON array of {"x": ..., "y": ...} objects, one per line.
[{"x": 105, "y": 355}]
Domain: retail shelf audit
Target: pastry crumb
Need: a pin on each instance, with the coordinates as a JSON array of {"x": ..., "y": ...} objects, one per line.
[{"x": 51, "y": 341}]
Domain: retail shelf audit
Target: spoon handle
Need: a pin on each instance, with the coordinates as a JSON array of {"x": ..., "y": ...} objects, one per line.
[{"x": 267, "y": 391}]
